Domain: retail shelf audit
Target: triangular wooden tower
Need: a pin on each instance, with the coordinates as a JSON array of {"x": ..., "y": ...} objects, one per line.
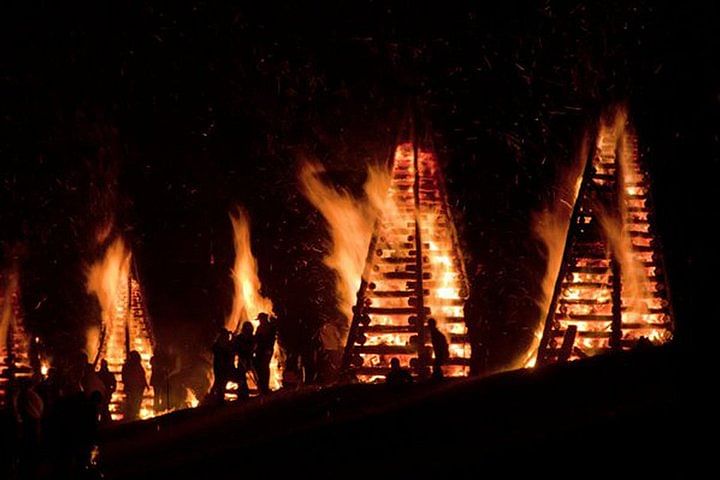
[
  {"x": 130, "y": 330},
  {"x": 414, "y": 272},
  {"x": 15, "y": 356},
  {"x": 611, "y": 290}
]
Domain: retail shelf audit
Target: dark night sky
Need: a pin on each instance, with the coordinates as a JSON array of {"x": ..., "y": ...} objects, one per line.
[{"x": 163, "y": 117}]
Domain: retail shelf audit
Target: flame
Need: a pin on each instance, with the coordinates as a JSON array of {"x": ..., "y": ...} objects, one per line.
[
  {"x": 616, "y": 201},
  {"x": 11, "y": 316},
  {"x": 118, "y": 294},
  {"x": 191, "y": 400},
  {"x": 638, "y": 289},
  {"x": 92, "y": 341},
  {"x": 248, "y": 302},
  {"x": 444, "y": 263},
  {"x": 551, "y": 226},
  {"x": 105, "y": 279},
  {"x": 350, "y": 222},
  {"x": 6, "y": 313},
  {"x": 392, "y": 298}
]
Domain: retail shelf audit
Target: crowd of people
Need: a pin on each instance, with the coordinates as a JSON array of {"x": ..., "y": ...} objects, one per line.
[
  {"x": 237, "y": 356},
  {"x": 56, "y": 416},
  {"x": 54, "y": 419}
]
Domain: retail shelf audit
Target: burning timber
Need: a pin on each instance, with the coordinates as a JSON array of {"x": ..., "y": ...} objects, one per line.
[
  {"x": 125, "y": 327},
  {"x": 611, "y": 291},
  {"x": 15, "y": 357},
  {"x": 414, "y": 271}
]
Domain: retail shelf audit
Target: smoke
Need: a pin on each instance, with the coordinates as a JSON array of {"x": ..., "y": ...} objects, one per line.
[{"x": 350, "y": 222}]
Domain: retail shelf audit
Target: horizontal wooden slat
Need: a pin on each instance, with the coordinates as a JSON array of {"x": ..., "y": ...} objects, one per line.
[
  {"x": 404, "y": 275},
  {"x": 585, "y": 318},
  {"x": 379, "y": 329},
  {"x": 392, "y": 310},
  {"x": 385, "y": 349},
  {"x": 394, "y": 293}
]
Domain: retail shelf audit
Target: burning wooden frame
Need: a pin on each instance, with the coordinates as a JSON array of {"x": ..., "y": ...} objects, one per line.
[
  {"x": 414, "y": 271},
  {"x": 611, "y": 291}
]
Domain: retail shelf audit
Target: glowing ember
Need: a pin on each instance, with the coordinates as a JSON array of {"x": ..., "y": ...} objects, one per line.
[
  {"x": 248, "y": 302},
  {"x": 612, "y": 292},
  {"x": 415, "y": 260},
  {"x": 125, "y": 326}
]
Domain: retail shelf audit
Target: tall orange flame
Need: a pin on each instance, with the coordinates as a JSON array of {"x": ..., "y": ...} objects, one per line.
[
  {"x": 248, "y": 302},
  {"x": 105, "y": 279},
  {"x": 350, "y": 222},
  {"x": 9, "y": 285},
  {"x": 550, "y": 226},
  {"x": 637, "y": 299},
  {"x": 614, "y": 291}
]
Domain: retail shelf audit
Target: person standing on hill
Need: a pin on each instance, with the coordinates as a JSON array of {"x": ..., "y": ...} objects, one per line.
[
  {"x": 244, "y": 347},
  {"x": 134, "y": 384},
  {"x": 264, "y": 346},
  {"x": 440, "y": 348}
]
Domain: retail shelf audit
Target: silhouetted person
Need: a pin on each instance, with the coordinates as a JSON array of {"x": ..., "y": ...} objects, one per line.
[
  {"x": 49, "y": 389},
  {"x": 264, "y": 346},
  {"x": 222, "y": 363},
  {"x": 643, "y": 344},
  {"x": 440, "y": 348},
  {"x": 244, "y": 347},
  {"x": 134, "y": 384},
  {"x": 91, "y": 383},
  {"x": 292, "y": 377},
  {"x": 87, "y": 430},
  {"x": 328, "y": 344},
  {"x": 175, "y": 390},
  {"x": 73, "y": 374},
  {"x": 28, "y": 406},
  {"x": 159, "y": 381},
  {"x": 397, "y": 374},
  {"x": 108, "y": 379}
]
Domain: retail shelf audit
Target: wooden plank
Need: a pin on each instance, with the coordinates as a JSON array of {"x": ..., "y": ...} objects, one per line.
[
  {"x": 582, "y": 301},
  {"x": 585, "y": 318},
  {"x": 583, "y": 333},
  {"x": 397, "y": 260},
  {"x": 392, "y": 310},
  {"x": 644, "y": 326},
  {"x": 395, "y": 293},
  {"x": 385, "y": 349},
  {"x": 403, "y": 275},
  {"x": 380, "y": 329},
  {"x": 568, "y": 342},
  {"x": 593, "y": 270}
]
